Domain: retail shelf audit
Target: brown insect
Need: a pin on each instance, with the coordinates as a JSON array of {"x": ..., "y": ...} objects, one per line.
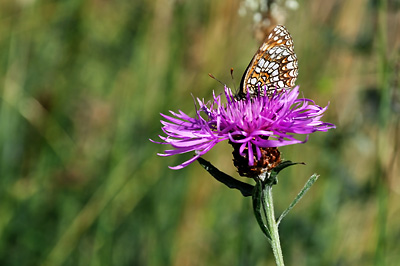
[{"x": 274, "y": 65}]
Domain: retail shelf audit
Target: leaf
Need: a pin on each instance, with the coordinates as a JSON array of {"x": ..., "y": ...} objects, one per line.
[
  {"x": 244, "y": 188},
  {"x": 306, "y": 187}
]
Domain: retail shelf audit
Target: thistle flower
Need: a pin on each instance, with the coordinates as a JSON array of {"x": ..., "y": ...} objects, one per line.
[{"x": 254, "y": 126}]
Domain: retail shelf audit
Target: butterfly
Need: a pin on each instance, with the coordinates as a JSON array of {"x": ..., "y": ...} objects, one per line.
[{"x": 274, "y": 65}]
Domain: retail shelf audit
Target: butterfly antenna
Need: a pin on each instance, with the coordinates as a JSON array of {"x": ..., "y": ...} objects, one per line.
[
  {"x": 211, "y": 76},
  {"x": 233, "y": 80}
]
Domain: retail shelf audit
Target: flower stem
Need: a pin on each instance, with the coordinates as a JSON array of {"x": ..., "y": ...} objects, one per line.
[
  {"x": 268, "y": 206},
  {"x": 257, "y": 203}
]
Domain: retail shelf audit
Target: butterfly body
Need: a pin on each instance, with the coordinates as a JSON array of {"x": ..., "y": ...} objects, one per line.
[{"x": 273, "y": 67}]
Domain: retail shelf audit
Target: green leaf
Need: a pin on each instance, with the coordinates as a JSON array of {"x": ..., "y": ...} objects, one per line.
[
  {"x": 271, "y": 178},
  {"x": 306, "y": 187},
  {"x": 244, "y": 188},
  {"x": 275, "y": 171}
]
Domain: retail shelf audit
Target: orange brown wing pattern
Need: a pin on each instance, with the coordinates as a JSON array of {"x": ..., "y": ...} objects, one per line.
[{"x": 274, "y": 65}]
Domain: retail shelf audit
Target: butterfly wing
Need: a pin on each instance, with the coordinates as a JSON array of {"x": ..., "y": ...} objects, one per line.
[{"x": 274, "y": 65}]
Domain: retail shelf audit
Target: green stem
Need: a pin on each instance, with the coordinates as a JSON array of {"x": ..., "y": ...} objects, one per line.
[
  {"x": 268, "y": 205},
  {"x": 257, "y": 203}
]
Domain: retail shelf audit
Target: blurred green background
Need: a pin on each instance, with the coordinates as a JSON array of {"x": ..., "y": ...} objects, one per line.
[{"x": 82, "y": 84}]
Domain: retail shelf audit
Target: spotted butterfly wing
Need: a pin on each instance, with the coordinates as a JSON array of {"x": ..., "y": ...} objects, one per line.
[{"x": 274, "y": 65}]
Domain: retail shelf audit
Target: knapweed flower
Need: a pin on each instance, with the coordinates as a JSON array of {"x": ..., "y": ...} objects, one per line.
[{"x": 254, "y": 126}]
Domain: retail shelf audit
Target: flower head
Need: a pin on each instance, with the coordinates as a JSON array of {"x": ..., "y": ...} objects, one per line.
[{"x": 254, "y": 126}]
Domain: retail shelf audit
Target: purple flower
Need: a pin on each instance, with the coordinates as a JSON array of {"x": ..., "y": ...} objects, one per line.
[{"x": 250, "y": 124}]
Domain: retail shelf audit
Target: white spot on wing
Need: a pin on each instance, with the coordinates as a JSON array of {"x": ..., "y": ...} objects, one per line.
[
  {"x": 290, "y": 65},
  {"x": 271, "y": 51},
  {"x": 271, "y": 65},
  {"x": 263, "y": 47}
]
